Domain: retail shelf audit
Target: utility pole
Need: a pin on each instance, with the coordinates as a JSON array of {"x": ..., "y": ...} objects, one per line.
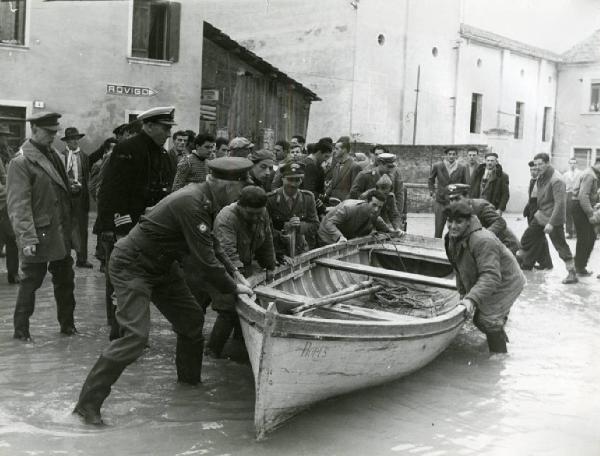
[{"x": 416, "y": 105}]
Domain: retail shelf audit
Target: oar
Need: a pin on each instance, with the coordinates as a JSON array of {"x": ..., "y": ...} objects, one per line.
[{"x": 335, "y": 299}]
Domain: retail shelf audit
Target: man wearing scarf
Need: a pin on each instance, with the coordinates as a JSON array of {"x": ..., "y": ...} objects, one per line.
[
  {"x": 78, "y": 169},
  {"x": 447, "y": 171}
]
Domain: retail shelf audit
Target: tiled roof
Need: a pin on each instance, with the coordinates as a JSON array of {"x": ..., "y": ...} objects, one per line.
[
  {"x": 499, "y": 41},
  {"x": 587, "y": 50}
]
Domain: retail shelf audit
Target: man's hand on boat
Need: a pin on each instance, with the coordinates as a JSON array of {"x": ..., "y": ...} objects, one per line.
[
  {"x": 243, "y": 289},
  {"x": 342, "y": 239},
  {"x": 239, "y": 278},
  {"x": 469, "y": 306}
]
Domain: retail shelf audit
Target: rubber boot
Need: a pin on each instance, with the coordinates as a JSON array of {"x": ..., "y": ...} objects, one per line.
[
  {"x": 220, "y": 334},
  {"x": 97, "y": 388},
  {"x": 571, "y": 277},
  {"x": 188, "y": 360},
  {"x": 497, "y": 341}
]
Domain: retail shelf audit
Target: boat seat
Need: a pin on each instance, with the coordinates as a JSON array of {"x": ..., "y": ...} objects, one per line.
[
  {"x": 359, "y": 313},
  {"x": 373, "y": 271}
]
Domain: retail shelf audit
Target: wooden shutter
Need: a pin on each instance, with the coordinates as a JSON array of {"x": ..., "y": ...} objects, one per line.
[
  {"x": 141, "y": 28},
  {"x": 174, "y": 27}
]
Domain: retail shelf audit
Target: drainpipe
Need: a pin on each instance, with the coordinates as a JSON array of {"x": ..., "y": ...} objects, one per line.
[{"x": 456, "y": 79}]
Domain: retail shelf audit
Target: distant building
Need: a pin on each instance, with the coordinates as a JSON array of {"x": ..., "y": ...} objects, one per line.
[{"x": 578, "y": 104}]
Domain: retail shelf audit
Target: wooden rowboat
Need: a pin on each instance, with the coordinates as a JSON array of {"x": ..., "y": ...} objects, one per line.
[{"x": 332, "y": 339}]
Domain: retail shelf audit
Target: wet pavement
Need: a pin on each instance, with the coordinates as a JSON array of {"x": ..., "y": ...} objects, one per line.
[{"x": 543, "y": 398}]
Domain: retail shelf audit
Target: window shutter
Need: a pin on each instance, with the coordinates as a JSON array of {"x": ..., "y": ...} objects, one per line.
[
  {"x": 141, "y": 29},
  {"x": 174, "y": 26}
]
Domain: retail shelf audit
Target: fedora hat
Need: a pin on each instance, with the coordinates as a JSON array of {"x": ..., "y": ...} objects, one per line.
[
  {"x": 72, "y": 133},
  {"x": 4, "y": 130}
]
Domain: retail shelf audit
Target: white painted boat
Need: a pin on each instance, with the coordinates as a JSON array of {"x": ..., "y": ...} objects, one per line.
[{"x": 341, "y": 345}]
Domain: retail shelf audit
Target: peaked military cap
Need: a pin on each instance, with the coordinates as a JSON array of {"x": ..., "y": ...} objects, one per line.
[
  {"x": 292, "y": 168},
  {"x": 386, "y": 158},
  {"x": 164, "y": 115},
  {"x": 45, "y": 120},
  {"x": 458, "y": 189},
  {"x": 230, "y": 168}
]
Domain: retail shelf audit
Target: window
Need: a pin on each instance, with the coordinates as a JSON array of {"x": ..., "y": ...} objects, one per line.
[
  {"x": 547, "y": 122},
  {"x": 595, "y": 97},
  {"x": 583, "y": 155},
  {"x": 475, "y": 125},
  {"x": 12, "y": 22},
  {"x": 519, "y": 117},
  {"x": 156, "y": 30},
  {"x": 14, "y": 118}
]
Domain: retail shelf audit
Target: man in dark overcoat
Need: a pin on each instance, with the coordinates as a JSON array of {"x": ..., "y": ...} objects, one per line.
[
  {"x": 491, "y": 183},
  {"x": 39, "y": 206}
]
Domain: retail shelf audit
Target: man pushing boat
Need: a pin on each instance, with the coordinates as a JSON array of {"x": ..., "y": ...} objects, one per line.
[{"x": 488, "y": 277}]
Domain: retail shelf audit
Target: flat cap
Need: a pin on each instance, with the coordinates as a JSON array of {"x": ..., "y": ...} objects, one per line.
[
  {"x": 230, "y": 168},
  {"x": 162, "y": 114},
  {"x": 240, "y": 143},
  {"x": 491, "y": 154},
  {"x": 458, "y": 209},
  {"x": 46, "y": 120},
  {"x": 261, "y": 155},
  {"x": 458, "y": 189},
  {"x": 386, "y": 158},
  {"x": 292, "y": 168}
]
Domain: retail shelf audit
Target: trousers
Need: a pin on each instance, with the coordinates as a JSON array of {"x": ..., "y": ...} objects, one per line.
[
  {"x": 531, "y": 241},
  {"x": 570, "y": 221},
  {"x": 7, "y": 237},
  {"x": 440, "y": 218},
  {"x": 64, "y": 284},
  {"x": 586, "y": 237}
]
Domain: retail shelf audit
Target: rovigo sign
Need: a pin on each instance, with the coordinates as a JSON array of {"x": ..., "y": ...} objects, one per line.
[{"x": 129, "y": 91}]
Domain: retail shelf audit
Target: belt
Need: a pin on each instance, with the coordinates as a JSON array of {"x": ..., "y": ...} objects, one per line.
[{"x": 135, "y": 240}]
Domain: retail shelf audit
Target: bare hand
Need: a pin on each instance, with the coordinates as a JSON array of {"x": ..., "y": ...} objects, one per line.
[
  {"x": 29, "y": 250},
  {"x": 239, "y": 277},
  {"x": 397, "y": 232},
  {"x": 342, "y": 239},
  {"x": 243, "y": 289},
  {"x": 294, "y": 222},
  {"x": 499, "y": 212},
  {"x": 287, "y": 260},
  {"x": 469, "y": 307},
  {"x": 548, "y": 228}
]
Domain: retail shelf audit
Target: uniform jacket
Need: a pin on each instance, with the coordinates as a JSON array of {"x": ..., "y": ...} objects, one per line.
[
  {"x": 587, "y": 193},
  {"x": 342, "y": 177},
  {"x": 352, "y": 219},
  {"x": 495, "y": 223},
  {"x": 279, "y": 211},
  {"x": 440, "y": 172},
  {"x": 367, "y": 179},
  {"x": 138, "y": 174},
  {"x": 39, "y": 204},
  {"x": 551, "y": 198},
  {"x": 241, "y": 242},
  {"x": 485, "y": 269},
  {"x": 179, "y": 225},
  {"x": 496, "y": 190}
]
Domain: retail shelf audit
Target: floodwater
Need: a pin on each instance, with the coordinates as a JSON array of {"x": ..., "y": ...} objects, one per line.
[{"x": 543, "y": 398}]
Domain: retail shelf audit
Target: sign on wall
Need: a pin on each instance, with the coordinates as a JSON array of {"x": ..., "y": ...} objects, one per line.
[{"x": 129, "y": 91}]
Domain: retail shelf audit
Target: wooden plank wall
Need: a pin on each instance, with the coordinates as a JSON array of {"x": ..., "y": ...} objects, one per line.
[{"x": 250, "y": 101}]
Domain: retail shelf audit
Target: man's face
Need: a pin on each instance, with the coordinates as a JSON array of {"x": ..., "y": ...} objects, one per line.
[
  {"x": 456, "y": 197},
  {"x": 572, "y": 164},
  {"x": 540, "y": 165},
  {"x": 72, "y": 144},
  {"x": 386, "y": 168},
  {"x": 291, "y": 185},
  {"x": 491, "y": 162},
  {"x": 533, "y": 171},
  {"x": 295, "y": 149},
  {"x": 338, "y": 150},
  {"x": 180, "y": 143},
  {"x": 205, "y": 149},
  {"x": 158, "y": 132},
  {"x": 262, "y": 170},
  {"x": 375, "y": 206},
  {"x": 451, "y": 156},
  {"x": 233, "y": 189},
  {"x": 323, "y": 157},
  {"x": 472, "y": 157},
  {"x": 222, "y": 151},
  {"x": 42, "y": 136},
  {"x": 458, "y": 226},
  {"x": 251, "y": 214},
  {"x": 123, "y": 136}
]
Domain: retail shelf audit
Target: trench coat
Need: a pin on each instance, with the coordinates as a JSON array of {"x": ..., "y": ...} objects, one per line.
[
  {"x": 497, "y": 189},
  {"x": 39, "y": 204}
]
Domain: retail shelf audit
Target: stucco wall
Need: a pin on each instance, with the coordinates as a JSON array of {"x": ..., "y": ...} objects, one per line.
[
  {"x": 77, "y": 48},
  {"x": 576, "y": 126}
]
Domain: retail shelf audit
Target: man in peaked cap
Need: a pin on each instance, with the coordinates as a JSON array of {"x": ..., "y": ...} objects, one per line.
[
  {"x": 240, "y": 147},
  {"x": 486, "y": 214},
  {"x": 77, "y": 165},
  {"x": 293, "y": 213},
  {"x": 42, "y": 223},
  {"x": 144, "y": 267},
  {"x": 138, "y": 174}
]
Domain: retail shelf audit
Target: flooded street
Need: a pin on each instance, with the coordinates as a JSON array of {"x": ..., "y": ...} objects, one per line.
[{"x": 543, "y": 398}]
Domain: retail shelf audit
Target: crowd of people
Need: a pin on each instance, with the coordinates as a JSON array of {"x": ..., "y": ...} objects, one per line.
[{"x": 184, "y": 228}]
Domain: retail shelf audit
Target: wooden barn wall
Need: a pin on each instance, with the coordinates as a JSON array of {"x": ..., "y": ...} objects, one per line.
[{"x": 250, "y": 103}]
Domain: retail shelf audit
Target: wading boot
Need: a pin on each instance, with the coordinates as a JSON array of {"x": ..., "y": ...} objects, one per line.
[
  {"x": 97, "y": 388},
  {"x": 497, "y": 341},
  {"x": 219, "y": 335},
  {"x": 188, "y": 360},
  {"x": 571, "y": 277}
]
